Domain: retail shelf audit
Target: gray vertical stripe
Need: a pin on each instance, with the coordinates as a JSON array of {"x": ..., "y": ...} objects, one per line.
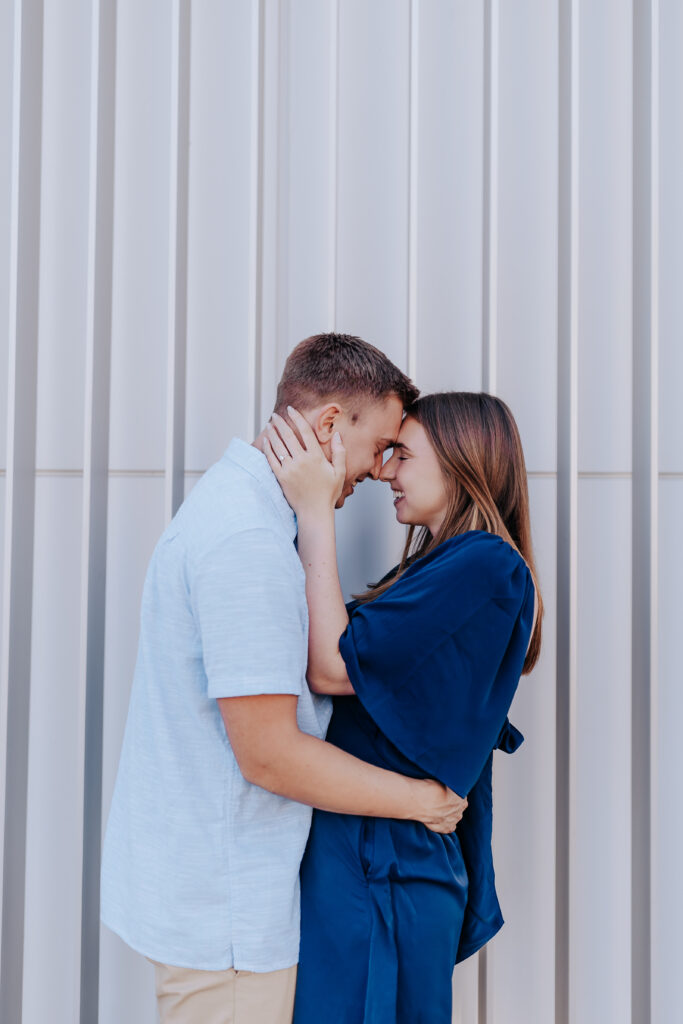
[
  {"x": 333, "y": 201},
  {"x": 483, "y": 986},
  {"x": 644, "y": 490},
  {"x": 489, "y": 310},
  {"x": 275, "y": 262},
  {"x": 15, "y": 668},
  {"x": 413, "y": 142},
  {"x": 95, "y": 484},
  {"x": 490, "y": 198},
  {"x": 281, "y": 342},
  {"x": 567, "y": 490},
  {"x": 178, "y": 213},
  {"x": 256, "y": 274}
]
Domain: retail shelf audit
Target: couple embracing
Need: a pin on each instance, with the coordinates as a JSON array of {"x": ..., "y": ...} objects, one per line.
[{"x": 258, "y": 695}]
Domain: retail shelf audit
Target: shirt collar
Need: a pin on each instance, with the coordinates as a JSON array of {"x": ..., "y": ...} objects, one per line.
[{"x": 255, "y": 463}]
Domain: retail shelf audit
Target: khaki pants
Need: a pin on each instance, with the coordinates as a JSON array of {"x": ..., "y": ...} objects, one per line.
[{"x": 186, "y": 996}]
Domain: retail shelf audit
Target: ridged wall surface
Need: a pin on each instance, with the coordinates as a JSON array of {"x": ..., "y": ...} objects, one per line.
[{"x": 488, "y": 190}]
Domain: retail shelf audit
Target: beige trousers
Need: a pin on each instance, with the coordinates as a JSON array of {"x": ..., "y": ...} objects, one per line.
[{"x": 186, "y": 996}]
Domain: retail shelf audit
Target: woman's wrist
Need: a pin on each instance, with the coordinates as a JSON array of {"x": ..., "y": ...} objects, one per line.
[{"x": 318, "y": 514}]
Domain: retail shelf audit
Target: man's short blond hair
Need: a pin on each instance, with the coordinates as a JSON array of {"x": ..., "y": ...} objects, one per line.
[{"x": 340, "y": 366}]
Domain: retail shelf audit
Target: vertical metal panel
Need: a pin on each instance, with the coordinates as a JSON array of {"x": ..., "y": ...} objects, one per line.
[
  {"x": 15, "y": 666},
  {"x": 489, "y": 366},
  {"x": 524, "y": 812},
  {"x": 605, "y": 373},
  {"x": 600, "y": 902},
  {"x": 450, "y": 156},
  {"x": 526, "y": 377},
  {"x": 667, "y": 702},
  {"x": 51, "y": 981},
  {"x": 485, "y": 985},
  {"x": 567, "y": 492},
  {"x": 95, "y": 481},
  {"x": 63, "y": 236},
  {"x": 310, "y": 126},
  {"x": 177, "y": 256},
  {"x": 490, "y": 211},
  {"x": 219, "y": 306},
  {"x": 7, "y": 12},
  {"x": 3, "y": 705},
  {"x": 413, "y": 143},
  {"x": 140, "y": 268},
  {"x": 52, "y": 916},
  {"x": 527, "y": 224},
  {"x": 671, "y": 237},
  {"x": 253, "y": 426},
  {"x": 645, "y": 493},
  {"x": 600, "y": 868},
  {"x": 54, "y": 813},
  {"x": 667, "y": 714},
  {"x": 275, "y": 261},
  {"x": 374, "y": 89},
  {"x": 135, "y": 520},
  {"x": 466, "y": 991},
  {"x": 333, "y": 137}
]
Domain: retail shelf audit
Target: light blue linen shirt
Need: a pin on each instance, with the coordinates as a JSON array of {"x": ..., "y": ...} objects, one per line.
[{"x": 200, "y": 867}]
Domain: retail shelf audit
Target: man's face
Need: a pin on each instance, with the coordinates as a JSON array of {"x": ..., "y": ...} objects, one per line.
[{"x": 366, "y": 440}]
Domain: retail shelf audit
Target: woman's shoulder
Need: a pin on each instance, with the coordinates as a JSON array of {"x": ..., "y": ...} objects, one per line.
[
  {"x": 472, "y": 566},
  {"x": 477, "y": 550},
  {"x": 472, "y": 562}
]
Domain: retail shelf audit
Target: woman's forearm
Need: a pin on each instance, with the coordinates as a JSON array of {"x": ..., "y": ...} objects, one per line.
[{"x": 327, "y": 613}]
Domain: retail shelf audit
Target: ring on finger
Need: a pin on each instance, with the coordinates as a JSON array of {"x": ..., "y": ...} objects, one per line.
[{"x": 272, "y": 433}]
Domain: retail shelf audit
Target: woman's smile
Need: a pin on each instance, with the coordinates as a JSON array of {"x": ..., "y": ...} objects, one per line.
[{"x": 414, "y": 461}]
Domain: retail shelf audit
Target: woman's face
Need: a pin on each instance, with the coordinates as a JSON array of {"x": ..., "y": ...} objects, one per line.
[{"x": 415, "y": 476}]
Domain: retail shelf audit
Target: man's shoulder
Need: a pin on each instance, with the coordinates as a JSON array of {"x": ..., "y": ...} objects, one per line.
[{"x": 225, "y": 502}]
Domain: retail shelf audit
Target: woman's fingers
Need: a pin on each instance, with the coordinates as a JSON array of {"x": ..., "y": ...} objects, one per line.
[
  {"x": 273, "y": 460},
  {"x": 277, "y": 444},
  {"x": 304, "y": 428},
  {"x": 288, "y": 436}
]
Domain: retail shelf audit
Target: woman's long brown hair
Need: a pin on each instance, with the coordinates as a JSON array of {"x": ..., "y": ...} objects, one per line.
[{"x": 477, "y": 443}]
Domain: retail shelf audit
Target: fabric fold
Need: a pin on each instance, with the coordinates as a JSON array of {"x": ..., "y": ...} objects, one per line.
[{"x": 436, "y": 659}]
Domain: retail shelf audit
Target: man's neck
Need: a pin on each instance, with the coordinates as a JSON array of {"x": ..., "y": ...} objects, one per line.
[{"x": 258, "y": 442}]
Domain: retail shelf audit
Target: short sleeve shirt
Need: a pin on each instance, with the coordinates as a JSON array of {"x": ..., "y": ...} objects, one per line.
[{"x": 200, "y": 867}]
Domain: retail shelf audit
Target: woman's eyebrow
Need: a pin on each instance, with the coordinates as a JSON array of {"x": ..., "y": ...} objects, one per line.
[{"x": 400, "y": 445}]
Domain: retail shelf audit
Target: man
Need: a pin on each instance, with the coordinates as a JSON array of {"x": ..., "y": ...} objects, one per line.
[{"x": 223, "y": 755}]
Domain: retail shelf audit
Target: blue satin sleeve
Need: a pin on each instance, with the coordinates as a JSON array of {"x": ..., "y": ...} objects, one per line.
[{"x": 436, "y": 659}]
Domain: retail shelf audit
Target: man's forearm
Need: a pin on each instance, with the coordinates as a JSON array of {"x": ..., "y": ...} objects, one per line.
[
  {"x": 319, "y": 774},
  {"x": 273, "y": 753}
]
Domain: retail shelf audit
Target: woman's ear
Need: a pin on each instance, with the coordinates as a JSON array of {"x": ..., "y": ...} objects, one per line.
[{"x": 326, "y": 422}]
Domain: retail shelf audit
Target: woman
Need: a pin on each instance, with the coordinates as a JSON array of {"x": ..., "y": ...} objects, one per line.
[{"x": 433, "y": 655}]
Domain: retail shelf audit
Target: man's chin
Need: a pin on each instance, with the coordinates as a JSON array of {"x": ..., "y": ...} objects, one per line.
[{"x": 346, "y": 493}]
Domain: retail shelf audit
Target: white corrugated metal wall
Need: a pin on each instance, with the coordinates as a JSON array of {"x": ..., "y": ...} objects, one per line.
[{"x": 489, "y": 191}]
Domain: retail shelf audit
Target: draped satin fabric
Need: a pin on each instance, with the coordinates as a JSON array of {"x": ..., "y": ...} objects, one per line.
[{"x": 389, "y": 907}]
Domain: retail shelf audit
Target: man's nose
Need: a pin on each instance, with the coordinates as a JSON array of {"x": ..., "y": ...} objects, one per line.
[
  {"x": 386, "y": 472},
  {"x": 376, "y": 470}
]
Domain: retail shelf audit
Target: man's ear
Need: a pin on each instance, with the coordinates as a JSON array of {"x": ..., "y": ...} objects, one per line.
[{"x": 326, "y": 422}]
